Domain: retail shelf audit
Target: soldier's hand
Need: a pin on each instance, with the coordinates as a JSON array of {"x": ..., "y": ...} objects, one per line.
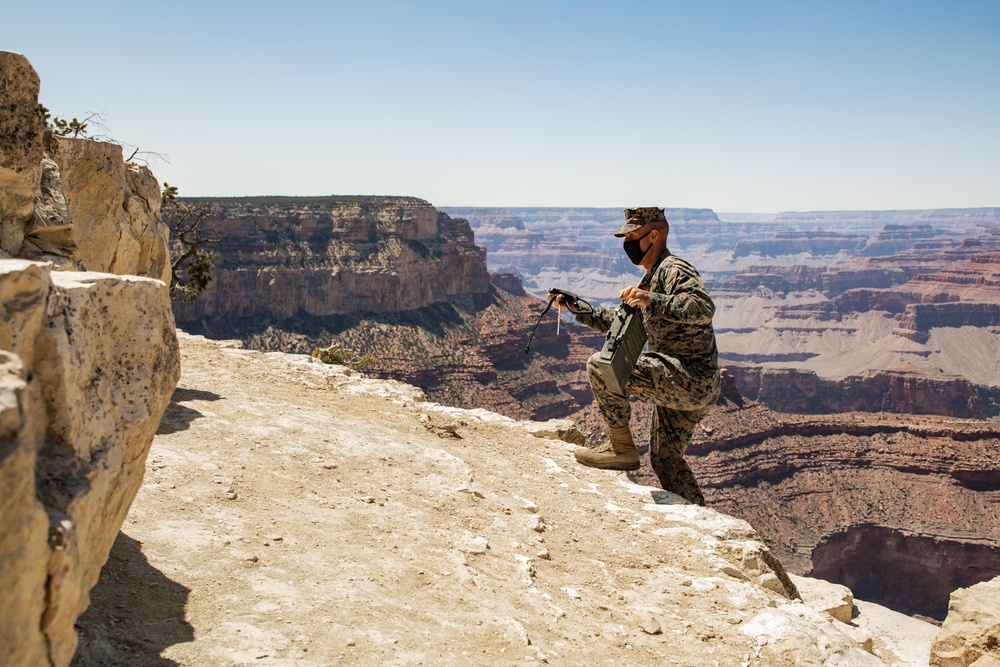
[
  {"x": 634, "y": 296},
  {"x": 560, "y": 303}
]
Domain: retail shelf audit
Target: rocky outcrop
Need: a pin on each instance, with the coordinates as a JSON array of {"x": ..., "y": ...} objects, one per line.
[
  {"x": 800, "y": 479},
  {"x": 113, "y": 210},
  {"x": 971, "y": 632},
  {"x": 794, "y": 243},
  {"x": 21, "y": 133},
  {"x": 880, "y": 563},
  {"x": 317, "y": 256},
  {"x": 73, "y": 202},
  {"x": 906, "y": 392},
  {"x": 89, "y": 362}
]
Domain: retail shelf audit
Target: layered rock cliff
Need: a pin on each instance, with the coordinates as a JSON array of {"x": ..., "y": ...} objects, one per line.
[
  {"x": 923, "y": 487},
  {"x": 914, "y": 332},
  {"x": 316, "y": 256}
]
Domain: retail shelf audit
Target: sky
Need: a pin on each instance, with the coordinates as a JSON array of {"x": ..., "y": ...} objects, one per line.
[{"x": 741, "y": 106}]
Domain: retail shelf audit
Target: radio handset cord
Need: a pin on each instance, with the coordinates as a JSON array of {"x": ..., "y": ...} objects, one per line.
[{"x": 573, "y": 304}]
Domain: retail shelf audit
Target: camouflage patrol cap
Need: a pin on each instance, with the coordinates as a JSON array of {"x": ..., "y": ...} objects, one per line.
[{"x": 637, "y": 217}]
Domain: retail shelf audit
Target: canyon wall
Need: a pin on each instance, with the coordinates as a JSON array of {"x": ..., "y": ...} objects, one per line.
[
  {"x": 926, "y": 486},
  {"x": 907, "y": 392},
  {"x": 285, "y": 256},
  {"x": 913, "y": 332},
  {"x": 880, "y": 563}
]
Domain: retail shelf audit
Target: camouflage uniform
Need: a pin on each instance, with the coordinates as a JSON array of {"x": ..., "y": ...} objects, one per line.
[{"x": 679, "y": 374}]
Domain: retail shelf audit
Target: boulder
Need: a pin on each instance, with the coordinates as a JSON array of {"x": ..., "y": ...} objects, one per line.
[
  {"x": 971, "y": 632},
  {"x": 831, "y": 599},
  {"x": 88, "y": 363}
]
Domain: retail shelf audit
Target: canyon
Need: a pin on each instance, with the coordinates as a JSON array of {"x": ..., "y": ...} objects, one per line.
[
  {"x": 890, "y": 319},
  {"x": 477, "y": 518}
]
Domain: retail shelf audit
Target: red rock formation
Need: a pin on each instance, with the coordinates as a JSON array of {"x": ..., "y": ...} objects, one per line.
[
  {"x": 795, "y": 242},
  {"x": 798, "y": 479},
  {"x": 906, "y": 391}
]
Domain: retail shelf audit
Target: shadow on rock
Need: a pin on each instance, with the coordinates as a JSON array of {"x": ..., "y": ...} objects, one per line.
[
  {"x": 178, "y": 417},
  {"x": 135, "y": 612}
]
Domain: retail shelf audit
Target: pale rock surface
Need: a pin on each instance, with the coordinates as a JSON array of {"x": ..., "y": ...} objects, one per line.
[
  {"x": 114, "y": 209},
  {"x": 899, "y": 640},
  {"x": 833, "y": 599},
  {"x": 87, "y": 366},
  {"x": 971, "y": 632},
  {"x": 21, "y": 133},
  {"x": 296, "y": 513},
  {"x": 896, "y": 639},
  {"x": 73, "y": 202}
]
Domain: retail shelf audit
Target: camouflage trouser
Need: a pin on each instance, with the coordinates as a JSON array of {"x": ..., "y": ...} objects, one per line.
[{"x": 680, "y": 402}]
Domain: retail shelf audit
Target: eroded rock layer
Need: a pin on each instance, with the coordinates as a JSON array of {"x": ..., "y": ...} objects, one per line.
[
  {"x": 467, "y": 351},
  {"x": 800, "y": 479},
  {"x": 316, "y": 256}
]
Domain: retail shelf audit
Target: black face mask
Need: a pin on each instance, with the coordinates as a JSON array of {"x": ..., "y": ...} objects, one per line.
[{"x": 634, "y": 250}]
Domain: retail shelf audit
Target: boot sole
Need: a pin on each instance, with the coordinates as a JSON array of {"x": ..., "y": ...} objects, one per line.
[{"x": 610, "y": 465}]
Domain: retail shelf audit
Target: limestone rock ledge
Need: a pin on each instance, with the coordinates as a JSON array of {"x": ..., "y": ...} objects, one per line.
[
  {"x": 347, "y": 520},
  {"x": 88, "y": 363}
]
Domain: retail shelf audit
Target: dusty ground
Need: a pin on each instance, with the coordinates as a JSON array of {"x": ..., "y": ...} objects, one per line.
[{"x": 295, "y": 515}]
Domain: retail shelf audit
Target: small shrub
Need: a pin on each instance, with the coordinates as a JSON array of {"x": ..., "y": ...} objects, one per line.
[{"x": 342, "y": 356}]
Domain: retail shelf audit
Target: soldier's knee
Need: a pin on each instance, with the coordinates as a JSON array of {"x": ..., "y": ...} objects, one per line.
[{"x": 592, "y": 367}]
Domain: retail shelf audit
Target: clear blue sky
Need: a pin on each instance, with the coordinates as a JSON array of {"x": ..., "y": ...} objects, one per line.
[{"x": 748, "y": 106}]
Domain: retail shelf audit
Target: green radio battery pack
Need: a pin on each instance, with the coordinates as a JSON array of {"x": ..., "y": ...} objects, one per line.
[{"x": 622, "y": 348}]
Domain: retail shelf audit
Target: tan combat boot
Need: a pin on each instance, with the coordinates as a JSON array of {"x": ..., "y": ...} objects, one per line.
[{"x": 617, "y": 454}]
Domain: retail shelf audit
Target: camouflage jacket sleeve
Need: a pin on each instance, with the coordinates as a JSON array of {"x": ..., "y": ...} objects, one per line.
[
  {"x": 600, "y": 320},
  {"x": 678, "y": 294}
]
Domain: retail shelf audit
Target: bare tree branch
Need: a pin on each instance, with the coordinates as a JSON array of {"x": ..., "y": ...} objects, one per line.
[{"x": 191, "y": 269}]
